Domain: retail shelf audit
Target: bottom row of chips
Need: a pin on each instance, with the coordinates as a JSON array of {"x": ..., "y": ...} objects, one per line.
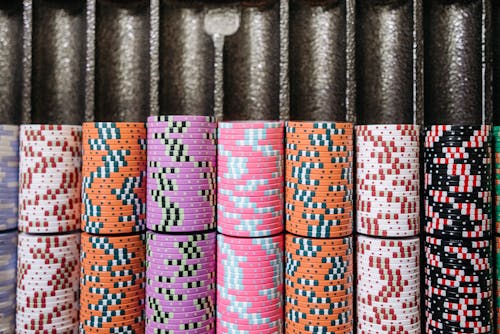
[
  {"x": 388, "y": 285},
  {"x": 47, "y": 283},
  {"x": 250, "y": 284},
  {"x": 458, "y": 285},
  {"x": 319, "y": 285},
  {"x": 8, "y": 262},
  {"x": 180, "y": 290},
  {"x": 112, "y": 284}
]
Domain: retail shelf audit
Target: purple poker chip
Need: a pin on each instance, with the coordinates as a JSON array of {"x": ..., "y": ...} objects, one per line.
[
  {"x": 169, "y": 204},
  {"x": 155, "y": 289},
  {"x": 206, "y": 326},
  {"x": 180, "y": 249},
  {"x": 180, "y": 229},
  {"x": 158, "y": 242},
  {"x": 181, "y": 280},
  {"x": 181, "y": 238}
]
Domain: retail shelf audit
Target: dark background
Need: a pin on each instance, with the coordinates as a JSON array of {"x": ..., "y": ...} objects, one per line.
[{"x": 368, "y": 61}]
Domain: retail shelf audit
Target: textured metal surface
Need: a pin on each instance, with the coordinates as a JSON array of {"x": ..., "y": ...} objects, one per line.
[
  {"x": 496, "y": 61},
  {"x": 318, "y": 60},
  {"x": 186, "y": 60},
  {"x": 58, "y": 74},
  {"x": 384, "y": 63},
  {"x": 251, "y": 65},
  {"x": 122, "y": 61},
  {"x": 10, "y": 61},
  {"x": 453, "y": 70}
]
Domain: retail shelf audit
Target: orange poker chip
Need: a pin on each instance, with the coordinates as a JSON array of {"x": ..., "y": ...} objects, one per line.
[
  {"x": 117, "y": 163},
  {"x": 332, "y": 173},
  {"x": 341, "y": 218},
  {"x": 318, "y": 242},
  {"x": 136, "y": 314},
  {"x": 117, "y": 307},
  {"x": 319, "y": 291},
  {"x": 339, "y": 147},
  {"x": 338, "y": 247},
  {"x": 318, "y": 199},
  {"x": 90, "y": 141},
  {"x": 297, "y": 136},
  {"x": 332, "y": 314},
  {"x": 327, "y": 205},
  {"x": 120, "y": 174},
  {"x": 117, "y": 268},
  {"x": 304, "y": 299},
  {"x": 344, "y": 258},
  {"x": 131, "y": 312},
  {"x": 317, "y": 272},
  {"x": 315, "y": 193},
  {"x": 112, "y": 211},
  {"x": 318, "y": 125},
  {"x": 322, "y": 180},
  {"x": 112, "y": 280},
  {"x": 101, "y": 159},
  {"x": 113, "y": 133},
  {"x": 103, "y": 195},
  {"x": 320, "y": 165},
  {"x": 294, "y": 328},
  {"x": 322, "y": 131},
  {"x": 132, "y": 244},
  {"x": 321, "y": 251},
  {"x": 109, "y": 202},
  {"x": 322, "y": 188},
  {"x": 135, "y": 328},
  {"x": 113, "y": 125},
  {"x": 122, "y": 239},
  {"x": 307, "y": 233}
]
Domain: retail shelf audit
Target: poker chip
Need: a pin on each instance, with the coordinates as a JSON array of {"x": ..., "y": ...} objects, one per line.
[
  {"x": 9, "y": 176},
  {"x": 48, "y": 283},
  {"x": 458, "y": 285},
  {"x": 375, "y": 191},
  {"x": 181, "y": 174},
  {"x": 180, "y": 286},
  {"x": 457, "y": 198},
  {"x": 114, "y": 178},
  {"x": 319, "y": 285},
  {"x": 49, "y": 178},
  {"x": 112, "y": 281},
  {"x": 319, "y": 172},
  {"x": 250, "y": 178},
  {"x": 388, "y": 284},
  {"x": 250, "y": 284},
  {"x": 8, "y": 265}
]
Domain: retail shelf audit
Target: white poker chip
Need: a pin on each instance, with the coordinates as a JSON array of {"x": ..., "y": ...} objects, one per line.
[{"x": 48, "y": 266}]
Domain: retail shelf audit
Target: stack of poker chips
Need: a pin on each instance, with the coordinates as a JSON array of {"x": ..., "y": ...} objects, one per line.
[
  {"x": 113, "y": 220},
  {"x": 49, "y": 178},
  {"x": 319, "y": 285},
  {"x": 457, "y": 203},
  {"x": 250, "y": 220},
  {"x": 47, "y": 283},
  {"x": 250, "y": 284},
  {"x": 9, "y": 173},
  {"x": 182, "y": 158},
  {"x": 8, "y": 263},
  {"x": 112, "y": 283},
  {"x": 180, "y": 290},
  {"x": 49, "y": 216},
  {"x": 181, "y": 241},
  {"x": 388, "y": 210},
  {"x": 388, "y": 285},
  {"x": 319, "y": 217},
  {"x": 250, "y": 178},
  {"x": 388, "y": 180}
]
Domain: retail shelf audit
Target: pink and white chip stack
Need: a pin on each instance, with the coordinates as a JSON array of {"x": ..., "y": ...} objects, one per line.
[
  {"x": 49, "y": 217},
  {"x": 388, "y": 226},
  {"x": 250, "y": 246}
]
